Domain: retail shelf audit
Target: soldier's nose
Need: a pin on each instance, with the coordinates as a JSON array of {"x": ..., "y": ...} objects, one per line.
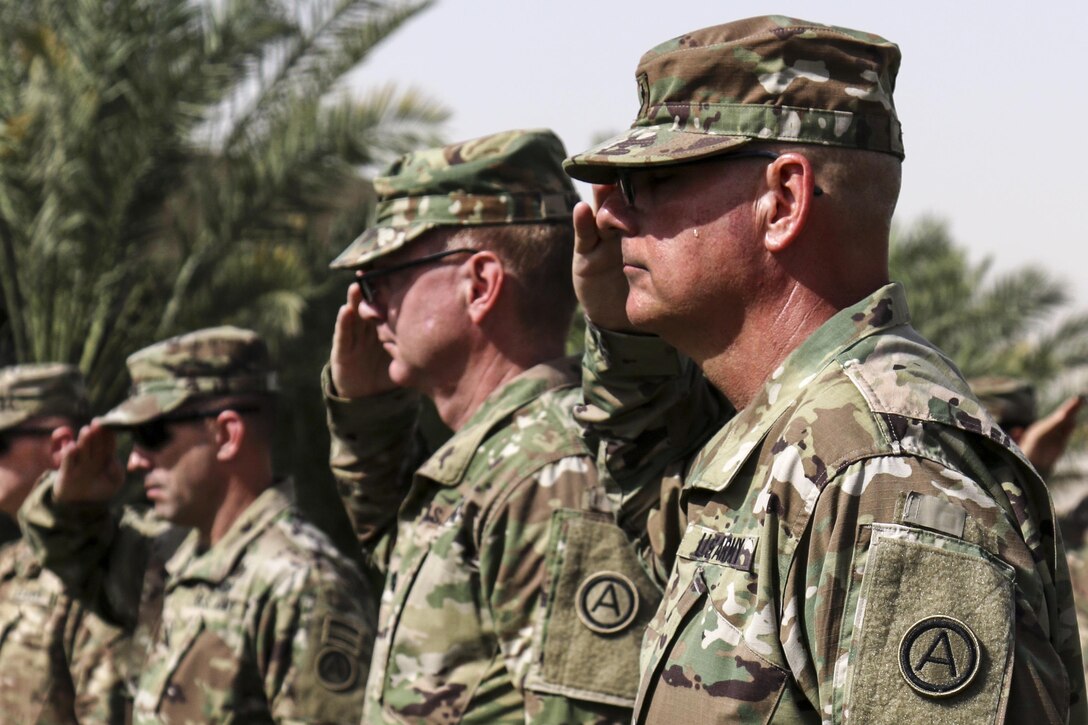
[{"x": 137, "y": 461}]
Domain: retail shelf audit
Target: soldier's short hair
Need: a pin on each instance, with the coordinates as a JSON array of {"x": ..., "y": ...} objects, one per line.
[{"x": 538, "y": 258}]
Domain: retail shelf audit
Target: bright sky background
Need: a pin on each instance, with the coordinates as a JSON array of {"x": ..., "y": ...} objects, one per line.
[{"x": 992, "y": 96}]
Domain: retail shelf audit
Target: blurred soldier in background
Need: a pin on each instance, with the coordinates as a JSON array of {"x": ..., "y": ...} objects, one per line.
[
  {"x": 510, "y": 593},
  {"x": 1012, "y": 402},
  {"x": 57, "y": 660},
  {"x": 261, "y": 618}
]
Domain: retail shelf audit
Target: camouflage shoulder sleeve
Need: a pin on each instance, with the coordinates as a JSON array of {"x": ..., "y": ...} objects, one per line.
[
  {"x": 314, "y": 643},
  {"x": 103, "y": 558},
  {"x": 651, "y": 409},
  {"x": 373, "y": 453},
  {"x": 922, "y": 599},
  {"x": 71, "y": 541}
]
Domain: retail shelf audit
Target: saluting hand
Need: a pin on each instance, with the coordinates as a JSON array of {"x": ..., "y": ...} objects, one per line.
[
  {"x": 598, "y": 268},
  {"x": 359, "y": 364},
  {"x": 1045, "y": 440},
  {"x": 89, "y": 469}
]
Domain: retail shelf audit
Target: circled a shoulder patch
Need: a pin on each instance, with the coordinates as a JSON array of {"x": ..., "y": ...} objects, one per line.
[
  {"x": 337, "y": 663},
  {"x": 939, "y": 656},
  {"x": 606, "y": 602},
  {"x": 336, "y": 670}
]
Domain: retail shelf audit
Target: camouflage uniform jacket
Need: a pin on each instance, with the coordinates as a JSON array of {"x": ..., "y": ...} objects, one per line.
[
  {"x": 269, "y": 624},
  {"x": 483, "y": 548},
  {"x": 1077, "y": 556},
  {"x": 57, "y": 660},
  {"x": 861, "y": 543}
]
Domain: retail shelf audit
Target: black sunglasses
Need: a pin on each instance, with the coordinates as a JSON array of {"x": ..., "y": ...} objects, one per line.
[
  {"x": 6, "y": 437},
  {"x": 366, "y": 280},
  {"x": 154, "y": 434},
  {"x": 627, "y": 188}
]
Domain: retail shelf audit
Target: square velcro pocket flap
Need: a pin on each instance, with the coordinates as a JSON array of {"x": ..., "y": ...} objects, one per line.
[
  {"x": 599, "y": 603},
  {"x": 933, "y": 632}
]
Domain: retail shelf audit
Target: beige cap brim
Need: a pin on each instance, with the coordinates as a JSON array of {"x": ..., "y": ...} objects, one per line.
[
  {"x": 646, "y": 146},
  {"x": 141, "y": 409},
  {"x": 377, "y": 242}
]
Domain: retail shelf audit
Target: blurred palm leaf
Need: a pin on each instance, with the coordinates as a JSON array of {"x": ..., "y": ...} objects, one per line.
[{"x": 173, "y": 164}]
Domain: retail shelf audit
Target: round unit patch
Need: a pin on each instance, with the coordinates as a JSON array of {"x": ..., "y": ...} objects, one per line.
[
  {"x": 939, "y": 656},
  {"x": 607, "y": 602},
  {"x": 336, "y": 670}
]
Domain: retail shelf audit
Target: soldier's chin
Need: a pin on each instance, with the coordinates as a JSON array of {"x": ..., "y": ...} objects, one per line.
[
  {"x": 400, "y": 374},
  {"x": 643, "y": 314}
]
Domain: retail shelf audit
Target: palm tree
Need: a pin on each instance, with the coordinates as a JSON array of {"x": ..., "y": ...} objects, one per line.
[
  {"x": 173, "y": 164},
  {"x": 170, "y": 164}
]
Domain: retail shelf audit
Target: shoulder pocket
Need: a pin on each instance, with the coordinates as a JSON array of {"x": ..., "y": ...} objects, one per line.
[
  {"x": 599, "y": 601},
  {"x": 933, "y": 630}
]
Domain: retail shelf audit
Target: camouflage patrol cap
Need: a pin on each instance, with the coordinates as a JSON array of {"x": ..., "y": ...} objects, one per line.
[
  {"x": 1011, "y": 401},
  {"x": 769, "y": 78},
  {"x": 212, "y": 362},
  {"x": 513, "y": 177},
  {"x": 41, "y": 389}
]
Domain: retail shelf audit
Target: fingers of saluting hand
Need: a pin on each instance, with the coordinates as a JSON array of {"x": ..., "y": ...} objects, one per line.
[{"x": 586, "y": 234}]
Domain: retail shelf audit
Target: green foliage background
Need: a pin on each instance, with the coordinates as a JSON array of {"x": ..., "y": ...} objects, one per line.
[{"x": 167, "y": 165}]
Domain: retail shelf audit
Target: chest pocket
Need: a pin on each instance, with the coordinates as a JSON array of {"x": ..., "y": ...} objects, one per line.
[
  {"x": 712, "y": 649},
  {"x": 439, "y": 649},
  {"x": 201, "y": 674}
]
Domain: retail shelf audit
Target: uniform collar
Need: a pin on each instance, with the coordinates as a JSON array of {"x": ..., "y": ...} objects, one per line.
[
  {"x": 450, "y": 462},
  {"x": 215, "y": 564},
  {"x": 884, "y": 309}
]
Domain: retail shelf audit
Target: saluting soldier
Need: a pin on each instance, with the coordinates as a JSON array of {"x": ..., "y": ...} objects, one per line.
[
  {"x": 261, "y": 618},
  {"x": 57, "y": 659},
  {"x": 511, "y": 595},
  {"x": 861, "y": 542}
]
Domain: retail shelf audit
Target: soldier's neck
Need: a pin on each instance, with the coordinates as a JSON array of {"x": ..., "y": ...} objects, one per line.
[{"x": 485, "y": 374}]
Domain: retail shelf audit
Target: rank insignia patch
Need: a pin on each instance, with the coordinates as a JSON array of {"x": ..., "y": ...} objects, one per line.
[
  {"x": 939, "y": 656},
  {"x": 607, "y": 602}
]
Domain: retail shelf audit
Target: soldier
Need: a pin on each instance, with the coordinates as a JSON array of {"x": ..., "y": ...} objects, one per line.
[
  {"x": 464, "y": 295},
  {"x": 861, "y": 542},
  {"x": 57, "y": 660},
  {"x": 261, "y": 619}
]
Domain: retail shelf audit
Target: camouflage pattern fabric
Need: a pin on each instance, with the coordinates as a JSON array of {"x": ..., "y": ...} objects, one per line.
[
  {"x": 504, "y": 178},
  {"x": 271, "y": 623},
  {"x": 57, "y": 660},
  {"x": 499, "y": 523},
  {"x": 862, "y": 543},
  {"x": 767, "y": 78},
  {"x": 40, "y": 390},
  {"x": 216, "y": 361},
  {"x": 1078, "y": 573}
]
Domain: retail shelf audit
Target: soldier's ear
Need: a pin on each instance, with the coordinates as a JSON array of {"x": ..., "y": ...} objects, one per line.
[
  {"x": 485, "y": 277},
  {"x": 230, "y": 432},
  {"x": 787, "y": 201}
]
